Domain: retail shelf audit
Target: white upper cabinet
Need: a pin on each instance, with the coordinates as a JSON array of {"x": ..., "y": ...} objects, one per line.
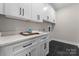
[
  {"x": 1, "y": 8},
  {"x": 25, "y": 10},
  {"x": 49, "y": 14},
  {"x": 52, "y": 15},
  {"x": 30, "y": 11},
  {"x": 18, "y": 10},
  {"x": 37, "y": 12},
  {"x": 12, "y": 10}
]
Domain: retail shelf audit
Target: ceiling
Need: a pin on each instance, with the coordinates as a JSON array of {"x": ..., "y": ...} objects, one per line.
[{"x": 58, "y": 6}]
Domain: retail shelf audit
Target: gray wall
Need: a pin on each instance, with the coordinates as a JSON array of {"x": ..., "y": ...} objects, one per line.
[
  {"x": 10, "y": 26},
  {"x": 67, "y": 26},
  {"x": 7, "y": 24}
]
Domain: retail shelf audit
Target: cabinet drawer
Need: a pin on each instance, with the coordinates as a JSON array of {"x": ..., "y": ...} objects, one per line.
[
  {"x": 25, "y": 44},
  {"x": 23, "y": 52},
  {"x": 22, "y": 45}
]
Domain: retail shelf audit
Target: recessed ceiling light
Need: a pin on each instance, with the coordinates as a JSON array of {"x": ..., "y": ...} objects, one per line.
[{"x": 45, "y": 8}]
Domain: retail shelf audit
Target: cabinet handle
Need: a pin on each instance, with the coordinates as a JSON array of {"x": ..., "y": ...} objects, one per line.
[
  {"x": 45, "y": 45},
  {"x": 38, "y": 17},
  {"x": 54, "y": 20},
  {"x": 47, "y": 17},
  {"x": 29, "y": 53},
  {"x": 27, "y": 45},
  {"x": 20, "y": 11},
  {"x": 23, "y": 12},
  {"x": 44, "y": 37}
]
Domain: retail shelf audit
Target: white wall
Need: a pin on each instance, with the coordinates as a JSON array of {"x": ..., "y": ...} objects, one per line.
[{"x": 67, "y": 24}]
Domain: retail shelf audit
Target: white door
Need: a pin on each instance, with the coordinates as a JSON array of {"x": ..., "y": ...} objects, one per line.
[
  {"x": 25, "y": 10},
  {"x": 52, "y": 15},
  {"x": 49, "y": 13},
  {"x": 24, "y": 52},
  {"x": 12, "y": 9},
  {"x": 46, "y": 12},
  {"x": 37, "y": 9},
  {"x": 33, "y": 52},
  {"x": 42, "y": 50},
  {"x": 44, "y": 47},
  {"x": 1, "y": 8}
]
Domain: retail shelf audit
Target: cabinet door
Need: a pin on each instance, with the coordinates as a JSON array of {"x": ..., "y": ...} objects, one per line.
[
  {"x": 33, "y": 52},
  {"x": 24, "y": 52},
  {"x": 12, "y": 9},
  {"x": 49, "y": 14},
  {"x": 25, "y": 10},
  {"x": 46, "y": 12},
  {"x": 42, "y": 53},
  {"x": 52, "y": 15},
  {"x": 1, "y": 8},
  {"x": 44, "y": 48},
  {"x": 35, "y": 49},
  {"x": 37, "y": 9}
]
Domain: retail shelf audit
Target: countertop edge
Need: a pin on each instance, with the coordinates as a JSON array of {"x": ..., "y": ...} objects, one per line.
[{"x": 22, "y": 40}]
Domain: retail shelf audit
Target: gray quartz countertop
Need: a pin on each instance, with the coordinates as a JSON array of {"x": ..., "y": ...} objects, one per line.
[{"x": 7, "y": 40}]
